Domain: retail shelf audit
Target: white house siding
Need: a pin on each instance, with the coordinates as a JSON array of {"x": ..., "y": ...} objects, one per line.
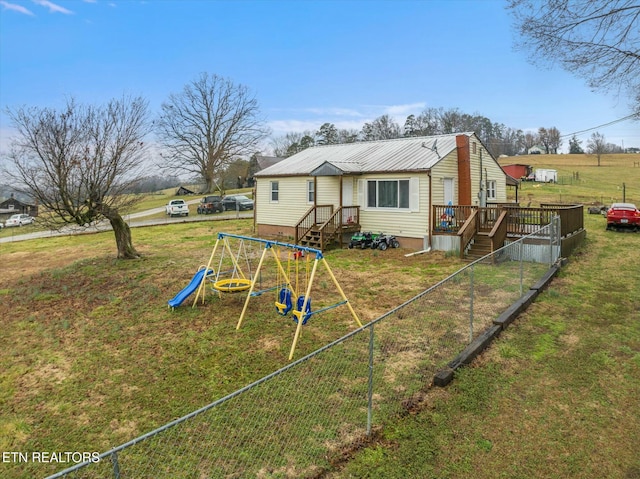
[
  {"x": 445, "y": 168},
  {"x": 328, "y": 190},
  {"x": 491, "y": 171},
  {"x": 292, "y": 202},
  {"x": 412, "y": 223}
]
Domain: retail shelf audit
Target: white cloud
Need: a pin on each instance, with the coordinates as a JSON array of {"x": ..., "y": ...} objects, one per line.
[
  {"x": 334, "y": 112},
  {"x": 281, "y": 127},
  {"x": 53, "y": 8},
  {"x": 312, "y": 118},
  {"x": 15, "y": 8},
  {"x": 405, "y": 110}
]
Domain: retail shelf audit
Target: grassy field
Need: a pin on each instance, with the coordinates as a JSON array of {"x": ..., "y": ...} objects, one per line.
[
  {"x": 581, "y": 180},
  {"x": 145, "y": 202},
  {"x": 92, "y": 357},
  {"x": 558, "y": 395}
]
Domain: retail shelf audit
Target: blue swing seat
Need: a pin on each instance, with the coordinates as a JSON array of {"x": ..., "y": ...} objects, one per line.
[
  {"x": 297, "y": 313},
  {"x": 284, "y": 303}
]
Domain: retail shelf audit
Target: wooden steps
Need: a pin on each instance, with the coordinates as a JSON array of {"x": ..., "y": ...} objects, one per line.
[{"x": 480, "y": 246}]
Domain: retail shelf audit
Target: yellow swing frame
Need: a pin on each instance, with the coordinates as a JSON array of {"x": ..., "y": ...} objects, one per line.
[{"x": 269, "y": 247}]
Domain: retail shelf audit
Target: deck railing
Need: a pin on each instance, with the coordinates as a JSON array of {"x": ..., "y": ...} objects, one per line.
[
  {"x": 519, "y": 220},
  {"x": 341, "y": 218}
]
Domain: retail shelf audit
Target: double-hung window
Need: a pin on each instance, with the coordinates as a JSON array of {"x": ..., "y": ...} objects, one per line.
[
  {"x": 311, "y": 191},
  {"x": 275, "y": 192},
  {"x": 388, "y": 194},
  {"x": 491, "y": 190}
]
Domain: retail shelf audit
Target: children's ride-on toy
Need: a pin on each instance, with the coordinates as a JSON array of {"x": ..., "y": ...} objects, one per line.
[
  {"x": 362, "y": 240},
  {"x": 384, "y": 241}
]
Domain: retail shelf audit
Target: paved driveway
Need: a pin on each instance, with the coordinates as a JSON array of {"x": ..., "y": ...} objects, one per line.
[{"x": 135, "y": 220}]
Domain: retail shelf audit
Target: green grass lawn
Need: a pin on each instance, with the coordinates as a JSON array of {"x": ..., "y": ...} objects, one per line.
[
  {"x": 92, "y": 357},
  {"x": 558, "y": 394}
]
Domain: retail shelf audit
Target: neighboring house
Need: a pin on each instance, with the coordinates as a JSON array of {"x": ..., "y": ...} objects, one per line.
[
  {"x": 537, "y": 150},
  {"x": 518, "y": 171},
  {"x": 259, "y": 163},
  {"x": 385, "y": 186},
  {"x": 14, "y": 206}
]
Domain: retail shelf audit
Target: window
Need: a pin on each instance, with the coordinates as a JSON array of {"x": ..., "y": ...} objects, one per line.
[
  {"x": 275, "y": 192},
  {"x": 473, "y": 147},
  {"x": 388, "y": 194},
  {"x": 491, "y": 190},
  {"x": 311, "y": 191}
]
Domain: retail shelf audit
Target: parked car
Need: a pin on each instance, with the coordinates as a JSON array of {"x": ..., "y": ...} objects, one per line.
[
  {"x": 623, "y": 215},
  {"x": 19, "y": 220},
  {"x": 177, "y": 208},
  {"x": 210, "y": 204},
  {"x": 237, "y": 203}
]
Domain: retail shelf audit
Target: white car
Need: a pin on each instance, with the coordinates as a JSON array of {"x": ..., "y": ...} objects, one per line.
[
  {"x": 19, "y": 220},
  {"x": 177, "y": 208}
]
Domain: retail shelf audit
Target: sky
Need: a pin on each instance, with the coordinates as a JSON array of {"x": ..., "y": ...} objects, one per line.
[{"x": 307, "y": 62}]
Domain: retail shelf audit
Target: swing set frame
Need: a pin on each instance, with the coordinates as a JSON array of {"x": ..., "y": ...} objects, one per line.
[{"x": 240, "y": 282}]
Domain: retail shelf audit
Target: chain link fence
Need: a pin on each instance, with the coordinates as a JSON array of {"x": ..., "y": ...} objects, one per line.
[{"x": 301, "y": 419}]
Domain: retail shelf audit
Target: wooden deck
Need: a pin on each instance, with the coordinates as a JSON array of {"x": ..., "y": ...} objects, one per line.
[{"x": 502, "y": 221}]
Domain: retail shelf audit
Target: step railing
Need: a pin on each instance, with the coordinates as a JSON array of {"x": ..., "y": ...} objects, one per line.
[
  {"x": 314, "y": 216},
  {"x": 344, "y": 216},
  {"x": 468, "y": 231}
]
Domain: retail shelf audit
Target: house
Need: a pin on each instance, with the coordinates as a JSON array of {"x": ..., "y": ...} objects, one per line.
[
  {"x": 14, "y": 206},
  {"x": 536, "y": 150},
  {"x": 385, "y": 186},
  {"x": 259, "y": 163}
]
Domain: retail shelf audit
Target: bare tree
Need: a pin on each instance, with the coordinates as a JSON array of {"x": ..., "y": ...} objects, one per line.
[
  {"x": 382, "y": 128},
  {"x": 550, "y": 139},
  {"x": 292, "y": 142},
  {"x": 529, "y": 141},
  {"x": 598, "y": 40},
  {"x": 597, "y": 145},
  {"x": 79, "y": 162},
  {"x": 211, "y": 122}
]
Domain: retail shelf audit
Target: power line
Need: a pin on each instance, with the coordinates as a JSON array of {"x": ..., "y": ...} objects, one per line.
[{"x": 602, "y": 126}]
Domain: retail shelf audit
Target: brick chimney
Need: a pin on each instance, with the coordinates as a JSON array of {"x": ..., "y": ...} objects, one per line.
[{"x": 464, "y": 170}]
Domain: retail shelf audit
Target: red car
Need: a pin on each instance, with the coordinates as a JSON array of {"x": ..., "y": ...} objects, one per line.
[{"x": 623, "y": 215}]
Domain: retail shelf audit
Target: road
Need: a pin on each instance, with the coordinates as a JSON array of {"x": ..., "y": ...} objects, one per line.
[{"x": 134, "y": 220}]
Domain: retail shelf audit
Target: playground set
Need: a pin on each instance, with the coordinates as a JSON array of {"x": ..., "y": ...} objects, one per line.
[{"x": 231, "y": 269}]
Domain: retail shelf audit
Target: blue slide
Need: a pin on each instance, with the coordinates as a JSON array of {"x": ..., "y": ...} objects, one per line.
[{"x": 190, "y": 288}]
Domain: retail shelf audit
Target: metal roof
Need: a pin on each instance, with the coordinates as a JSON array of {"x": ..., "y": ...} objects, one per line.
[{"x": 401, "y": 154}]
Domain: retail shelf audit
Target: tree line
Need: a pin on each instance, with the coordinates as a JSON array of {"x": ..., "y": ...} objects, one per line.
[{"x": 498, "y": 138}]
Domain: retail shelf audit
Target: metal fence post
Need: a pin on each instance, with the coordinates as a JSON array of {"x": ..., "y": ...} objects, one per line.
[
  {"x": 370, "y": 393},
  {"x": 471, "y": 303},
  {"x": 521, "y": 267},
  {"x": 116, "y": 466},
  {"x": 552, "y": 229}
]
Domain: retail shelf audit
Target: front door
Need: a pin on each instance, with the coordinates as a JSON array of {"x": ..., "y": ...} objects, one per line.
[
  {"x": 448, "y": 191},
  {"x": 347, "y": 197}
]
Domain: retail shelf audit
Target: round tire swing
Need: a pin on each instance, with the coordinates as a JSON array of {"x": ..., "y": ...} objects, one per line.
[{"x": 232, "y": 285}]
